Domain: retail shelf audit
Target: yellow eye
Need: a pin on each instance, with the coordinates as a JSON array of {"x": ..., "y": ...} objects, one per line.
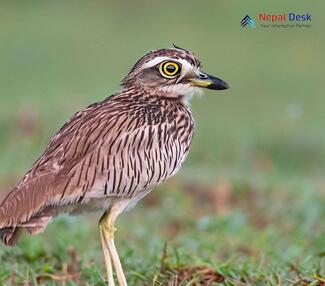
[{"x": 169, "y": 69}]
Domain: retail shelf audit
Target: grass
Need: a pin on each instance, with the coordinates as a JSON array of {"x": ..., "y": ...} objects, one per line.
[
  {"x": 253, "y": 238},
  {"x": 247, "y": 208}
]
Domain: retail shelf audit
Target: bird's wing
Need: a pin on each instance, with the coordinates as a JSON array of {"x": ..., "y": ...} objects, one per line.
[
  {"x": 39, "y": 186},
  {"x": 84, "y": 155}
]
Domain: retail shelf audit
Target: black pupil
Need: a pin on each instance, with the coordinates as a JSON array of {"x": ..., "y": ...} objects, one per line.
[{"x": 171, "y": 69}]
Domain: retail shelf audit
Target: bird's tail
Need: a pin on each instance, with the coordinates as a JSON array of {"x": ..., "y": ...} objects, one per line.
[
  {"x": 24, "y": 208},
  {"x": 10, "y": 235}
]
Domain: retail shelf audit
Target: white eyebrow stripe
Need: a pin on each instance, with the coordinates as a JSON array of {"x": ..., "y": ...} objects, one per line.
[
  {"x": 186, "y": 66},
  {"x": 155, "y": 61}
]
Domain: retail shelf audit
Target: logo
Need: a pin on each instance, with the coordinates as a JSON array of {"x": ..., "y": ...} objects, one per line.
[
  {"x": 285, "y": 20},
  {"x": 248, "y": 21},
  {"x": 278, "y": 20},
  {"x": 284, "y": 17}
]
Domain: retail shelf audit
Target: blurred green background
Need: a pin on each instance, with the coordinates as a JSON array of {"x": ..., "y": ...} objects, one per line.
[{"x": 249, "y": 201}]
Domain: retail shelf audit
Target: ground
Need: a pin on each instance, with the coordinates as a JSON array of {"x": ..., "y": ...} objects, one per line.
[{"x": 232, "y": 232}]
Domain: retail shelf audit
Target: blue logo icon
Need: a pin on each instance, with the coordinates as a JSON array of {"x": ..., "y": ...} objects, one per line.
[{"x": 248, "y": 21}]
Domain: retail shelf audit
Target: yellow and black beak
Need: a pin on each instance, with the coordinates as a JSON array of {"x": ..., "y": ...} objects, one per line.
[{"x": 208, "y": 81}]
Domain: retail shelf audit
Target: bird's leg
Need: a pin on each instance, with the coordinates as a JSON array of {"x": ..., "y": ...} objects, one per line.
[
  {"x": 108, "y": 262},
  {"x": 109, "y": 231}
]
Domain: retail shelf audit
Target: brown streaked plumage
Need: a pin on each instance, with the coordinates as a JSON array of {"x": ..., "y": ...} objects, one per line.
[{"x": 111, "y": 154}]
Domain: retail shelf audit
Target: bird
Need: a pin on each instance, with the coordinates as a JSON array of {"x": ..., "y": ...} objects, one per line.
[{"x": 114, "y": 152}]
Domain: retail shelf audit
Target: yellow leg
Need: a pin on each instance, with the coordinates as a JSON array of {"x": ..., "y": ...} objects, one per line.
[
  {"x": 108, "y": 221},
  {"x": 108, "y": 262}
]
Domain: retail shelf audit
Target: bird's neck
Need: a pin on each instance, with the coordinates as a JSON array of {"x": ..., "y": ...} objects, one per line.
[{"x": 155, "y": 95}]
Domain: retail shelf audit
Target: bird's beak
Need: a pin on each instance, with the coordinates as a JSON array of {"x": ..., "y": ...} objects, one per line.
[{"x": 202, "y": 79}]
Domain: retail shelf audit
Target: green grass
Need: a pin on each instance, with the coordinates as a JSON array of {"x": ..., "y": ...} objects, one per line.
[
  {"x": 248, "y": 203},
  {"x": 257, "y": 239}
]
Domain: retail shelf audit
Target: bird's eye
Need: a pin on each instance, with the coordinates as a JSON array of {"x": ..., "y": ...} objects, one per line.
[{"x": 169, "y": 69}]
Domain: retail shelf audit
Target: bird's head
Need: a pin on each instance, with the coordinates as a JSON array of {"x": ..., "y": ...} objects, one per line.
[{"x": 172, "y": 72}]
